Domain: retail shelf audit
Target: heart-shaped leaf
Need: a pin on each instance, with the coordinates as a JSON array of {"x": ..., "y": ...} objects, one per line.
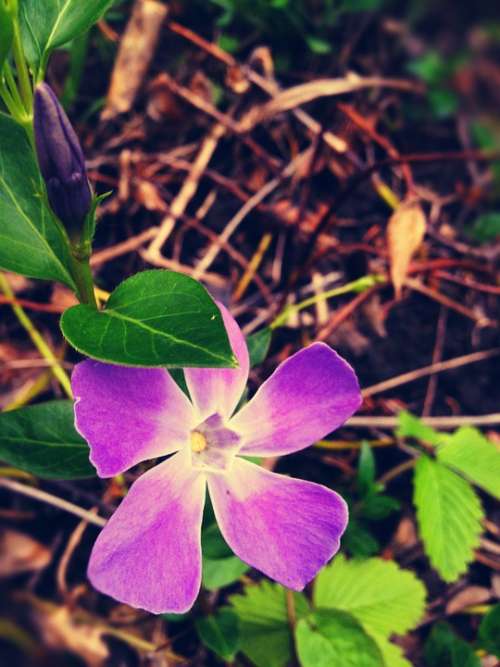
[
  {"x": 155, "y": 318},
  {"x": 47, "y": 24},
  {"x": 42, "y": 440},
  {"x": 31, "y": 242}
]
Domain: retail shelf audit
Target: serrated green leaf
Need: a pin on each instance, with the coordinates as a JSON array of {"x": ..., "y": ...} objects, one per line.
[
  {"x": 155, "y": 318},
  {"x": 449, "y": 517},
  {"x": 220, "y": 633},
  {"x": 392, "y": 654},
  {"x": 475, "y": 457},
  {"x": 330, "y": 637},
  {"x": 48, "y": 24},
  {"x": 31, "y": 242},
  {"x": 489, "y": 631},
  {"x": 266, "y": 637},
  {"x": 383, "y": 597},
  {"x": 444, "y": 648},
  {"x": 42, "y": 440},
  {"x": 258, "y": 346},
  {"x": 413, "y": 427}
]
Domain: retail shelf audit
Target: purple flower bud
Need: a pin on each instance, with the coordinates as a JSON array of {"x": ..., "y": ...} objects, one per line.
[{"x": 61, "y": 160}]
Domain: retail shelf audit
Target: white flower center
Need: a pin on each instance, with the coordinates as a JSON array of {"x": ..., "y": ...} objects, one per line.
[{"x": 213, "y": 446}]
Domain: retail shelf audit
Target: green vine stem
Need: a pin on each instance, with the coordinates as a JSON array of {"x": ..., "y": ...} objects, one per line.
[
  {"x": 359, "y": 285},
  {"x": 37, "y": 338},
  {"x": 82, "y": 274}
]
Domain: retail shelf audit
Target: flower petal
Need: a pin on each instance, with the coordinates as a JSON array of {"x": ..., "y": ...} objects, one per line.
[
  {"x": 149, "y": 553},
  {"x": 219, "y": 390},
  {"x": 284, "y": 527},
  {"x": 128, "y": 415},
  {"x": 309, "y": 395}
]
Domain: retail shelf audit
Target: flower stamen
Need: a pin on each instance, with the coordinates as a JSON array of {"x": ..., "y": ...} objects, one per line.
[{"x": 198, "y": 442}]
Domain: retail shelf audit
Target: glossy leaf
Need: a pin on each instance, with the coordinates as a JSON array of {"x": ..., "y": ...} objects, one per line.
[
  {"x": 31, "y": 242},
  {"x": 42, "y": 440},
  {"x": 155, "y": 318},
  {"x": 449, "y": 517},
  {"x": 6, "y": 30},
  {"x": 331, "y": 637},
  {"x": 258, "y": 346},
  {"x": 48, "y": 24}
]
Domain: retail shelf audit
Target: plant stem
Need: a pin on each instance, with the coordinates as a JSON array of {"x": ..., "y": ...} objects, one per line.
[
  {"x": 82, "y": 274},
  {"x": 37, "y": 338},
  {"x": 396, "y": 471},
  {"x": 359, "y": 285},
  {"x": 22, "y": 69},
  {"x": 8, "y": 100},
  {"x": 60, "y": 503},
  {"x": 12, "y": 88}
]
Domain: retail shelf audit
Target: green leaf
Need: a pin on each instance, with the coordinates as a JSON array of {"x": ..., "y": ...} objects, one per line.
[
  {"x": 486, "y": 227},
  {"x": 413, "y": 427},
  {"x": 213, "y": 544},
  {"x": 6, "y": 30},
  {"x": 330, "y": 637},
  {"x": 258, "y": 346},
  {"x": 155, "y": 318},
  {"x": 42, "y": 440},
  {"x": 443, "y": 647},
  {"x": 48, "y": 24},
  {"x": 359, "y": 541},
  {"x": 366, "y": 469},
  {"x": 220, "y": 633},
  {"x": 489, "y": 631},
  {"x": 431, "y": 68},
  {"x": 378, "y": 506},
  {"x": 31, "y": 242},
  {"x": 220, "y": 572},
  {"x": 380, "y": 595},
  {"x": 265, "y": 633},
  {"x": 318, "y": 45},
  {"x": 391, "y": 653},
  {"x": 475, "y": 457},
  {"x": 449, "y": 517}
]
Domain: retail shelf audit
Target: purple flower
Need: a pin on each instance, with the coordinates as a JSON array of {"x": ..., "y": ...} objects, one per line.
[
  {"x": 149, "y": 553},
  {"x": 61, "y": 160}
]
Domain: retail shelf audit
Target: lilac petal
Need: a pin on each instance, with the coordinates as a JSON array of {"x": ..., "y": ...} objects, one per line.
[
  {"x": 219, "y": 390},
  {"x": 284, "y": 527},
  {"x": 149, "y": 553},
  {"x": 309, "y": 395},
  {"x": 128, "y": 415}
]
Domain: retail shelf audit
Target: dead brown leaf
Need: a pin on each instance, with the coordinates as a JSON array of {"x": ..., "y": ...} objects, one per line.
[
  {"x": 137, "y": 48},
  {"x": 67, "y": 630},
  {"x": 312, "y": 90},
  {"x": 21, "y": 553},
  {"x": 468, "y": 597},
  {"x": 147, "y": 194},
  {"x": 405, "y": 233}
]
